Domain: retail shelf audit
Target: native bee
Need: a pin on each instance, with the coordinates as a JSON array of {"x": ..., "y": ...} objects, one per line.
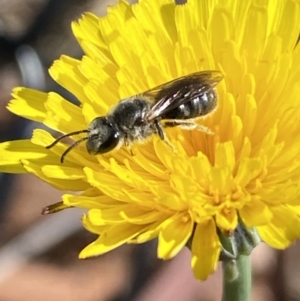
[{"x": 134, "y": 119}]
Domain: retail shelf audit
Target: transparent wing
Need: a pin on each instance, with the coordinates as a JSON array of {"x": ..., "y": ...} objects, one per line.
[{"x": 171, "y": 95}]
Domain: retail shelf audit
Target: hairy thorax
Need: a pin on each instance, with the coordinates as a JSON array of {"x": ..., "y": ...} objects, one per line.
[{"x": 128, "y": 117}]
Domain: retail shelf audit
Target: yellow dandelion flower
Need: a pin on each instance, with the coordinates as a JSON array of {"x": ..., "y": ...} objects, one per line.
[{"x": 248, "y": 171}]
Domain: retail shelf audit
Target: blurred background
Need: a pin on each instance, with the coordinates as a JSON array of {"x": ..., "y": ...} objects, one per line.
[{"x": 39, "y": 254}]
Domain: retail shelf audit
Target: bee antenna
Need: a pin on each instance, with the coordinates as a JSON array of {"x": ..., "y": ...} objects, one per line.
[
  {"x": 62, "y": 158},
  {"x": 64, "y": 136}
]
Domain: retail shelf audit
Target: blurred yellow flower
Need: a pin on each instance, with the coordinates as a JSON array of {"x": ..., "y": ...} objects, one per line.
[{"x": 250, "y": 167}]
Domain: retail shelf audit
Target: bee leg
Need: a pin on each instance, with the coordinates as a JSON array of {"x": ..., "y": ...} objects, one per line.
[
  {"x": 162, "y": 135},
  {"x": 126, "y": 141},
  {"x": 188, "y": 125},
  {"x": 128, "y": 145},
  {"x": 159, "y": 130}
]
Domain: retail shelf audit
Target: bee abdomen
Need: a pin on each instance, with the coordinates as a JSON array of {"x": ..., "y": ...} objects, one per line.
[{"x": 199, "y": 105}]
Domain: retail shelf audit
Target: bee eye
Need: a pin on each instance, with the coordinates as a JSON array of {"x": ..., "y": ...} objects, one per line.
[
  {"x": 110, "y": 142},
  {"x": 103, "y": 137}
]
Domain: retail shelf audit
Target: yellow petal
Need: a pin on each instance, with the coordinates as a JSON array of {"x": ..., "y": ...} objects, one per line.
[
  {"x": 289, "y": 25},
  {"x": 206, "y": 250},
  {"x": 112, "y": 238},
  {"x": 83, "y": 201},
  {"x": 227, "y": 219},
  {"x": 62, "y": 172},
  {"x": 255, "y": 30},
  {"x": 87, "y": 29},
  {"x": 141, "y": 216},
  {"x": 28, "y": 103},
  {"x": 170, "y": 245},
  {"x": 91, "y": 227},
  {"x": 283, "y": 229},
  {"x": 256, "y": 213},
  {"x": 65, "y": 72},
  {"x": 150, "y": 232},
  {"x": 62, "y": 115},
  {"x": 61, "y": 184},
  {"x": 12, "y": 152}
]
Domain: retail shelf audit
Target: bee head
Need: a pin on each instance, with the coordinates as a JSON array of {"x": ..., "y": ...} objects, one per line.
[{"x": 102, "y": 136}]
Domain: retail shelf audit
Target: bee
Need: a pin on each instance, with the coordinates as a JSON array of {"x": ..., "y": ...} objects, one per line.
[{"x": 179, "y": 102}]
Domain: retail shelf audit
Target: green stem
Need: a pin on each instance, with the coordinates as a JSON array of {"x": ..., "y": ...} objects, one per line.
[{"x": 237, "y": 279}]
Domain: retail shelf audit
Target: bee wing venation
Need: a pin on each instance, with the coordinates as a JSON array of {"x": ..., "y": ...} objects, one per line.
[{"x": 171, "y": 95}]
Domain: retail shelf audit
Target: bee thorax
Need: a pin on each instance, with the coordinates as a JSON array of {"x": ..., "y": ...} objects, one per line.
[{"x": 128, "y": 117}]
